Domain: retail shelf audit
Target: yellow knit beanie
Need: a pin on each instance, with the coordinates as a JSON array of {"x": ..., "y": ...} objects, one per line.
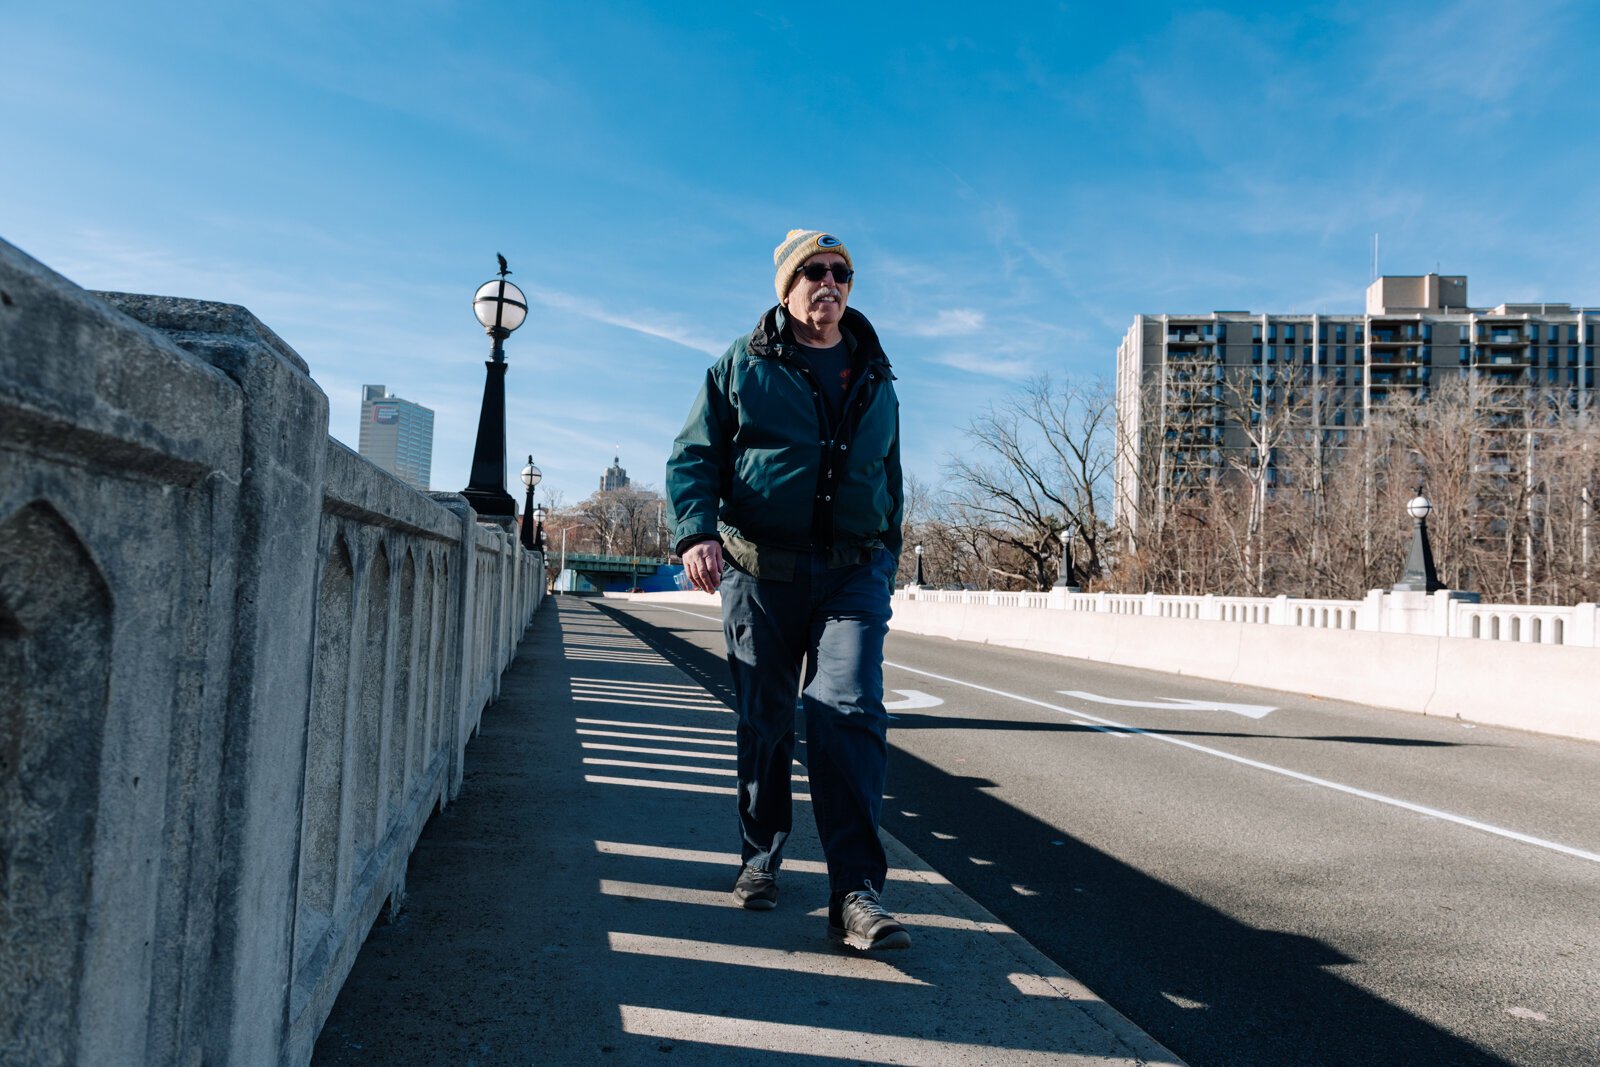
[{"x": 796, "y": 248}]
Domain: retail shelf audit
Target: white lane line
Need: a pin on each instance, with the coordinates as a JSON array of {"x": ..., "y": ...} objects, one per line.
[
  {"x": 1433, "y": 813},
  {"x": 1249, "y": 711},
  {"x": 911, "y": 698},
  {"x": 1118, "y": 734}
]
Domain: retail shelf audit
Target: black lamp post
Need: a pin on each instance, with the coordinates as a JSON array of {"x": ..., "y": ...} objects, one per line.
[
  {"x": 530, "y": 478},
  {"x": 500, "y": 307},
  {"x": 538, "y": 530},
  {"x": 1420, "y": 575},
  {"x": 1064, "y": 579},
  {"x": 918, "y": 582}
]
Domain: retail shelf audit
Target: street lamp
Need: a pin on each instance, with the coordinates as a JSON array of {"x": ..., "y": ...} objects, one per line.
[
  {"x": 918, "y": 582},
  {"x": 500, "y": 307},
  {"x": 530, "y": 478},
  {"x": 1064, "y": 579},
  {"x": 1420, "y": 575},
  {"x": 538, "y": 532}
]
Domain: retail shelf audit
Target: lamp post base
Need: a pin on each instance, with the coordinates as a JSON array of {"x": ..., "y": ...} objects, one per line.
[{"x": 489, "y": 505}]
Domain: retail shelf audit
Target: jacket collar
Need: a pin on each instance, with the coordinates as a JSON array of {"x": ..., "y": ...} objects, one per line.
[{"x": 772, "y": 334}]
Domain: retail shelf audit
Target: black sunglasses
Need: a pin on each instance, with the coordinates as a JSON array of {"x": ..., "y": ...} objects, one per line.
[{"x": 817, "y": 271}]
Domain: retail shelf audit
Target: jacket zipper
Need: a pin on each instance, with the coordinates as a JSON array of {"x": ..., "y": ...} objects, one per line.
[{"x": 834, "y": 441}]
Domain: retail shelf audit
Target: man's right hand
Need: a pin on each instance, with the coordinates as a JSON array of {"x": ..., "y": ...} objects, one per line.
[{"x": 702, "y": 562}]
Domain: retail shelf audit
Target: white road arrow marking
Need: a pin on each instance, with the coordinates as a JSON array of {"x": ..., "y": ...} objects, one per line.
[
  {"x": 1249, "y": 711},
  {"x": 913, "y": 698}
]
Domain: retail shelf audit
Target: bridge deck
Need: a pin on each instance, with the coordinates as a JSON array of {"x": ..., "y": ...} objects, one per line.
[{"x": 572, "y": 906}]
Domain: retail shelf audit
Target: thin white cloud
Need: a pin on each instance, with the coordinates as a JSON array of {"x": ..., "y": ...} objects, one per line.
[
  {"x": 985, "y": 364},
  {"x": 951, "y": 322},
  {"x": 665, "y": 330},
  {"x": 1481, "y": 51}
]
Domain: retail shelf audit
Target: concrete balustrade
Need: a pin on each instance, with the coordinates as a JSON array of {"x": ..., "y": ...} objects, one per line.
[
  {"x": 1443, "y": 614},
  {"x": 1320, "y": 648},
  {"x": 1409, "y": 651},
  {"x": 239, "y": 666}
]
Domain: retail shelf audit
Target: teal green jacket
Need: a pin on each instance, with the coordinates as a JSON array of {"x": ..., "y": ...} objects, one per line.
[{"x": 758, "y": 465}]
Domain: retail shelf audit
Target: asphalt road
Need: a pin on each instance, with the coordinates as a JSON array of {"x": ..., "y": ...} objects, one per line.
[{"x": 1290, "y": 881}]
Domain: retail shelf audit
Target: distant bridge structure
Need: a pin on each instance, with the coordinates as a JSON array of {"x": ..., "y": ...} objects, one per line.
[{"x": 583, "y": 572}]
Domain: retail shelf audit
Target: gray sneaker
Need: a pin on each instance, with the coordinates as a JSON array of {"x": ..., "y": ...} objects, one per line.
[
  {"x": 756, "y": 889},
  {"x": 858, "y": 920}
]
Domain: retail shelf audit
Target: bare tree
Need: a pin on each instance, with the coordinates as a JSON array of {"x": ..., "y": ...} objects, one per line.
[
  {"x": 614, "y": 522},
  {"x": 1038, "y": 464}
]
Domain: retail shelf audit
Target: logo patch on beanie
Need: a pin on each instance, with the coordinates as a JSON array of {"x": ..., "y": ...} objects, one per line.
[{"x": 828, "y": 240}]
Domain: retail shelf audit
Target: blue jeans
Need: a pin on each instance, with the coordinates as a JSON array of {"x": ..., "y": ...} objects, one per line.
[{"x": 833, "y": 621}]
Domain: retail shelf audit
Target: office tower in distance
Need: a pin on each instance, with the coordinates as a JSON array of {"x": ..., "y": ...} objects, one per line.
[
  {"x": 397, "y": 435},
  {"x": 1190, "y": 388},
  {"x": 614, "y": 477}
]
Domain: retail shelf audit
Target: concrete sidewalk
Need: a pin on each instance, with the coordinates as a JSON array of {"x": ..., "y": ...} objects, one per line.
[{"x": 572, "y": 906}]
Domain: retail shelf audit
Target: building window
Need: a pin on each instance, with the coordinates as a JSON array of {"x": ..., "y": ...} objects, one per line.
[
  {"x": 1255, "y": 331},
  {"x": 1338, "y": 333}
]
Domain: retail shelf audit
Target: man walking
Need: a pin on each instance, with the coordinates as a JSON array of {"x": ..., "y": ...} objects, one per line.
[{"x": 785, "y": 492}]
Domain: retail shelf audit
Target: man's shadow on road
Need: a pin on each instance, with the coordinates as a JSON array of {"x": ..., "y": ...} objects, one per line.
[{"x": 1211, "y": 988}]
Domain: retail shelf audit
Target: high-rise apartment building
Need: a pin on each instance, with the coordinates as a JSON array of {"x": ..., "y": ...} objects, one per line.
[
  {"x": 614, "y": 477},
  {"x": 1190, "y": 388},
  {"x": 397, "y": 435}
]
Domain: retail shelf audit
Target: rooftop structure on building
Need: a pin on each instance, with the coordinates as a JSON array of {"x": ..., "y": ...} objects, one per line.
[
  {"x": 1191, "y": 387},
  {"x": 614, "y": 477},
  {"x": 397, "y": 435}
]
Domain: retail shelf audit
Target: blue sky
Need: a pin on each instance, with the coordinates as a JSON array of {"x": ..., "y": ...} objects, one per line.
[{"x": 1014, "y": 183}]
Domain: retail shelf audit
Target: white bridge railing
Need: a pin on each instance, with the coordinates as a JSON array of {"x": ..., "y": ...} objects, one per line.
[{"x": 1442, "y": 614}]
